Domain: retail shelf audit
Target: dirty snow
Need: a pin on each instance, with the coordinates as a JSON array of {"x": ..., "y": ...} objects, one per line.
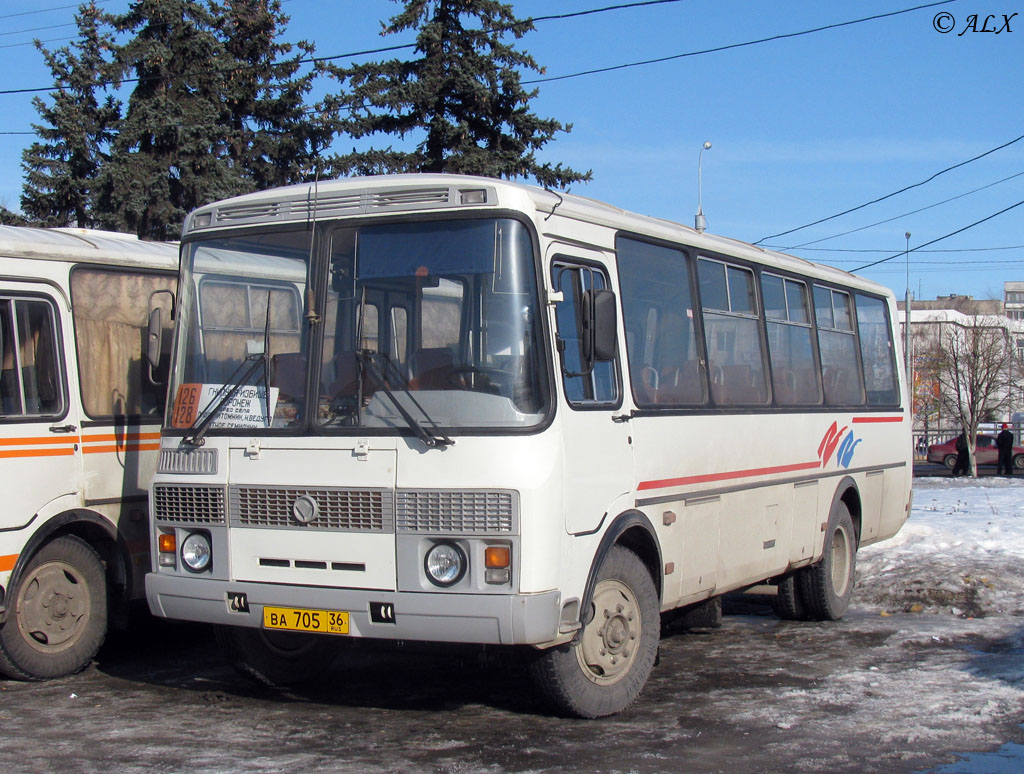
[{"x": 960, "y": 552}]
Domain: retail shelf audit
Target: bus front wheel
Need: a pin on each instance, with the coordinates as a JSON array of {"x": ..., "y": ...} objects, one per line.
[
  {"x": 58, "y": 617},
  {"x": 603, "y": 670},
  {"x": 275, "y": 658},
  {"x": 827, "y": 586}
]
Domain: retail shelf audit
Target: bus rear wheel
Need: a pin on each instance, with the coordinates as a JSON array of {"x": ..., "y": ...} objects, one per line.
[
  {"x": 275, "y": 658},
  {"x": 58, "y": 618},
  {"x": 789, "y": 600},
  {"x": 603, "y": 670},
  {"x": 827, "y": 586}
]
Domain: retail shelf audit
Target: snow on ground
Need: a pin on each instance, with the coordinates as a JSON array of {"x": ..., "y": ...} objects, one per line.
[{"x": 960, "y": 552}]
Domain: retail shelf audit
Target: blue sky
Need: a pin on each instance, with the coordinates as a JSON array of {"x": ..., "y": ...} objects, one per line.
[{"x": 801, "y": 128}]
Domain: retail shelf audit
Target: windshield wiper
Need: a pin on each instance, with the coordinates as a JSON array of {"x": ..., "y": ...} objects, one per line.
[
  {"x": 433, "y": 440},
  {"x": 205, "y": 420}
]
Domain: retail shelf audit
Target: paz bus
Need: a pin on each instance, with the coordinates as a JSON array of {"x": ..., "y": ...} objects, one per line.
[
  {"x": 449, "y": 409},
  {"x": 80, "y": 415}
]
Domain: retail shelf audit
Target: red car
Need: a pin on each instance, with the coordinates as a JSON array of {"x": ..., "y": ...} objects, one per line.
[{"x": 986, "y": 451}]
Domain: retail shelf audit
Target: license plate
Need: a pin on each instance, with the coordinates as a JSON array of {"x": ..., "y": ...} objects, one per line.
[{"x": 296, "y": 620}]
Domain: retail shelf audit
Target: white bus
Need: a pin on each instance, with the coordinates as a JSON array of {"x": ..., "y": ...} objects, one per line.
[
  {"x": 79, "y": 435},
  {"x": 490, "y": 413}
]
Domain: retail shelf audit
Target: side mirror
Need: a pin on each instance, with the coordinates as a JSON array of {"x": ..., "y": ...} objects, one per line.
[
  {"x": 600, "y": 330},
  {"x": 154, "y": 337},
  {"x": 155, "y": 334}
]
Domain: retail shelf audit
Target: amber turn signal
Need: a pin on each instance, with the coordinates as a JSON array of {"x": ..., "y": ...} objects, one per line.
[
  {"x": 166, "y": 543},
  {"x": 496, "y": 557}
]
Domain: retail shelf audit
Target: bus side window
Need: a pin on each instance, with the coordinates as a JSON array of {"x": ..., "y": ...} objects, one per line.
[
  {"x": 31, "y": 380},
  {"x": 732, "y": 329},
  {"x": 877, "y": 352},
  {"x": 840, "y": 365},
  {"x": 665, "y": 367},
  {"x": 111, "y": 320},
  {"x": 600, "y": 385}
]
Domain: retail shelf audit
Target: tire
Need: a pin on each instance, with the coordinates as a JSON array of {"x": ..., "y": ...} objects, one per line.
[
  {"x": 603, "y": 670},
  {"x": 1018, "y": 461},
  {"x": 827, "y": 586},
  {"x": 276, "y": 659},
  {"x": 789, "y": 602},
  {"x": 949, "y": 461},
  {"x": 58, "y": 615}
]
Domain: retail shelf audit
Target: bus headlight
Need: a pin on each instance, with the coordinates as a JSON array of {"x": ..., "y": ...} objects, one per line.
[
  {"x": 196, "y": 552},
  {"x": 445, "y": 564}
]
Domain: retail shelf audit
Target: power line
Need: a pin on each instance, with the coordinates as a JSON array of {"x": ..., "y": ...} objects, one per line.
[
  {"x": 889, "y": 250},
  {"x": 894, "y": 193},
  {"x": 47, "y": 10},
  {"x": 946, "y": 236},
  {"x": 806, "y": 245},
  {"x": 781, "y": 36}
]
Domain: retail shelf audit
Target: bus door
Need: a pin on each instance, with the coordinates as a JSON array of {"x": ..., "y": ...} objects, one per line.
[
  {"x": 597, "y": 452},
  {"x": 39, "y": 426}
]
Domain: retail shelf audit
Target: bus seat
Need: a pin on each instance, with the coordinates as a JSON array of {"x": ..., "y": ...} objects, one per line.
[
  {"x": 681, "y": 384},
  {"x": 432, "y": 369},
  {"x": 288, "y": 374}
]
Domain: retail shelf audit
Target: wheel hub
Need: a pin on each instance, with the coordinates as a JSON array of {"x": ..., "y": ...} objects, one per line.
[
  {"x": 52, "y": 607},
  {"x": 607, "y": 647}
]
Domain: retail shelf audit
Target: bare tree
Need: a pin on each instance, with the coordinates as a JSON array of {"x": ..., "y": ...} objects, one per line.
[{"x": 974, "y": 362}]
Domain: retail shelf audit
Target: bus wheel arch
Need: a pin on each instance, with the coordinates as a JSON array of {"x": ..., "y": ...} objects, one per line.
[
  {"x": 73, "y": 559},
  {"x": 57, "y": 611},
  {"x": 827, "y": 586},
  {"x": 602, "y": 670}
]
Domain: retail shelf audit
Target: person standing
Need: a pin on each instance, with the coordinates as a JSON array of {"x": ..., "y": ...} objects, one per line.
[
  {"x": 963, "y": 459},
  {"x": 1004, "y": 442}
]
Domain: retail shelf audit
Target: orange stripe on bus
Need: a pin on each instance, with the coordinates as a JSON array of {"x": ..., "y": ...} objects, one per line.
[
  {"x": 7, "y": 562},
  {"x": 871, "y": 420},
  {"x": 39, "y": 440},
  {"x": 37, "y": 453},
  {"x": 121, "y": 438},
  {"x": 727, "y": 476},
  {"x": 128, "y": 448}
]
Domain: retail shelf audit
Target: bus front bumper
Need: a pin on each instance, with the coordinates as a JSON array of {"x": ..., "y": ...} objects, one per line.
[{"x": 493, "y": 619}]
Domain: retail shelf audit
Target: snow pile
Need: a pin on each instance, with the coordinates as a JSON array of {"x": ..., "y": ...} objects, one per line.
[{"x": 961, "y": 552}]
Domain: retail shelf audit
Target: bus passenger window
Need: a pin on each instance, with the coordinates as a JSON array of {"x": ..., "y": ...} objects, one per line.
[
  {"x": 795, "y": 377},
  {"x": 31, "y": 382},
  {"x": 840, "y": 366},
  {"x": 733, "y": 331},
  {"x": 661, "y": 343},
  {"x": 877, "y": 352}
]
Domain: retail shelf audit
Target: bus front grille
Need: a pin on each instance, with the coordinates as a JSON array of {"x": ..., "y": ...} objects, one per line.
[
  {"x": 456, "y": 511},
  {"x": 363, "y": 510},
  {"x": 193, "y": 503}
]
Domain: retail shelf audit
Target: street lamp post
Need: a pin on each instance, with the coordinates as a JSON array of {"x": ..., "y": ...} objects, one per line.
[
  {"x": 906, "y": 327},
  {"x": 699, "y": 222}
]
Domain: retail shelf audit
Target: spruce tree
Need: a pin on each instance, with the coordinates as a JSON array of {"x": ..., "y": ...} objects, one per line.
[
  {"x": 168, "y": 156},
  {"x": 460, "y": 99},
  {"x": 272, "y": 137},
  {"x": 77, "y": 126}
]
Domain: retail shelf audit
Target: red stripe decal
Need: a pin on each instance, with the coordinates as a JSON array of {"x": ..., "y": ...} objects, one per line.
[
  {"x": 873, "y": 420},
  {"x": 707, "y": 477}
]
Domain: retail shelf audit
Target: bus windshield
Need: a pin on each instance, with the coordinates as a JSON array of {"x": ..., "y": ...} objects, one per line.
[{"x": 416, "y": 325}]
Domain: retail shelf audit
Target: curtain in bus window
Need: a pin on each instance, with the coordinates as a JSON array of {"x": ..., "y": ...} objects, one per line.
[
  {"x": 840, "y": 366},
  {"x": 733, "y": 334},
  {"x": 876, "y": 352},
  {"x": 661, "y": 344},
  {"x": 795, "y": 379},
  {"x": 111, "y": 313}
]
